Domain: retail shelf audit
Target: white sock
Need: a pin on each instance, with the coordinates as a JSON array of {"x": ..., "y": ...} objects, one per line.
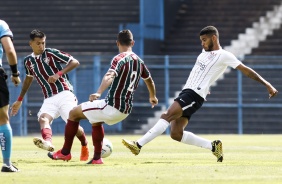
[
  {"x": 192, "y": 139},
  {"x": 155, "y": 131}
]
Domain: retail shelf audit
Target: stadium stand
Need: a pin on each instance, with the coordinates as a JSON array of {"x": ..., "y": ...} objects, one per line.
[
  {"x": 231, "y": 18},
  {"x": 79, "y": 27},
  {"x": 89, "y": 28}
]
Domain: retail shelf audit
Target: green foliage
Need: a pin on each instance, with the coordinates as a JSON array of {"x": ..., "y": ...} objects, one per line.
[{"x": 247, "y": 159}]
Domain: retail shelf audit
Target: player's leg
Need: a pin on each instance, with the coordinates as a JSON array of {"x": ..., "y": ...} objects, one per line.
[
  {"x": 190, "y": 103},
  {"x": 6, "y": 133},
  {"x": 97, "y": 139},
  {"x": 98, "y": 112},
  {"x": 47, "y": 113},
  {"x": 173, "y": 112},
  {"x": 71, "y": 129},
  {"x": 75, "y": 115},
  {"x": 45, "y": 142},
  {"x": 6, "y": 140},
  {"x": 177, "y": 133},
  {"x": 67, "y": 102}
]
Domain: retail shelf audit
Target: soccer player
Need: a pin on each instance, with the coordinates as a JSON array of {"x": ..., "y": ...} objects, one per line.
[
  {"x": 210, "y": 65},
  {"x": 6, "y": 133},
  {"x": 45, "y": 65},
  {"x": 122, "y": 79}
]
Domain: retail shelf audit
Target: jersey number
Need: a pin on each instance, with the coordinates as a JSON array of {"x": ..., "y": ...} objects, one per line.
[{"x": 133, "y": 78}]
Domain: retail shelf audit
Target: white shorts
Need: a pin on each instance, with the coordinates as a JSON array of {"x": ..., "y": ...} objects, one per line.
[
  {"x": 99, "y": 111},
  {"x": 59, "y": 105}
]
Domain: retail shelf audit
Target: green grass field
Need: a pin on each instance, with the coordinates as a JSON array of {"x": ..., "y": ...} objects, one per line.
[{"x": 247, "y": 159}]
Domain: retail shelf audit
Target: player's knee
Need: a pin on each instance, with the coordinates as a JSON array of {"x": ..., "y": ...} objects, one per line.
[
  {"x": 166, "y": 117},
  {"x": 44, "y": 119},
  {"x": 175, "y": 135},
  {"x": 74, "y": 114}
]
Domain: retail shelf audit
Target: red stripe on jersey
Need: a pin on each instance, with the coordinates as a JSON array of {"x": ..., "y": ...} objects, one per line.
[
  {"x": 51, "y": 55},
  {"x": 29, "y": 66},
  {"x": 129, "y": 93},
  {"x": 116, "y": 60},
  {"x": 46, "y": 76},
  {"x": 55, "y": 69},
  {"x": 120, "y": 86}
]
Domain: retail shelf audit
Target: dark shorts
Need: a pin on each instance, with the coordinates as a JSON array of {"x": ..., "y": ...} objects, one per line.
[
  {"x": 4, "y": 92},
  {"x": 190, "y": 102}
]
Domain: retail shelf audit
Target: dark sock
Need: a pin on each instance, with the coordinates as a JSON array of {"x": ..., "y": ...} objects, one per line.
[
  {"x": 70, "y": 131},
  {"x": 46, "y": 134},
  {"x": 97, "y": 138}
]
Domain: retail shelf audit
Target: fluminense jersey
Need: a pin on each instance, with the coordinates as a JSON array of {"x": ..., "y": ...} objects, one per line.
[
  {"x": 4, "y": 31},
  {"x": 45, "y": 65},
  {"x": 129, "y": 68},
  {"x": 208, "y": 68}
]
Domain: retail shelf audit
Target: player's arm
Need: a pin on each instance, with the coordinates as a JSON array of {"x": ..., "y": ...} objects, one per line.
[
  {"x": 70, "y": 66},
  {"x": 12, "y": 58},
  {"x": 255, "y": 76},
  {"x": 106, "y": 82},
  {"x": 17, "y": 104},
  {"x": 152, "y": 91}
]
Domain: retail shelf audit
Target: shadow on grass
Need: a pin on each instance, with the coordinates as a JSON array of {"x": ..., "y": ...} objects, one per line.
[
  {"x": 157, "y": 162},
  {"x": 73, "y": 165}
]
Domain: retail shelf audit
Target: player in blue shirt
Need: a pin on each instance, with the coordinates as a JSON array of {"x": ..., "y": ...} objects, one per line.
[{"x": 6, "y": 134}]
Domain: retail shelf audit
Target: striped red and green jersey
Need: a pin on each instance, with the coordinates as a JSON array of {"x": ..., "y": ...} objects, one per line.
[
  {"x": 129, "y": 68},
  {"x": 43, "y": 66}
]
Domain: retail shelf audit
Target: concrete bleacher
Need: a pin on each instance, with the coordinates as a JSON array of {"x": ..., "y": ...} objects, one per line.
[
  {"x": 272, "y": 46},
  {"x": 81, "y": 28},
  {"x": 231, "y": 18},
  {"x": 78, "y": 27}
]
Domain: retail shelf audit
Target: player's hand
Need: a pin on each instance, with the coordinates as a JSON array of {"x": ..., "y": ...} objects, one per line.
[
  {"x": 16, "y": 80},
  {"x": 272, "y": 91},
  {"x": 53, "y": 78},
  {"x": 94, "y": 96},
  {"x": 153, "y": 101},
  {"x": 15, "y": 108}
]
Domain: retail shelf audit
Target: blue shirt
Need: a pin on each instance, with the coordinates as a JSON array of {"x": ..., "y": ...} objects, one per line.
[{"x": 4, "y": 31}]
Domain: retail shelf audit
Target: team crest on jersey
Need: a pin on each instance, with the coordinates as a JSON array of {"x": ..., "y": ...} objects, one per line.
[
  {"x": 32, "y": 67},
  {"x": 46, "y": 60},
  {"x": 212, "y": 55}
]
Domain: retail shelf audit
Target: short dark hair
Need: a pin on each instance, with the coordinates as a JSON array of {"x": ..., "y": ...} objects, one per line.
[
  {"x": 125, "y": 37},
  {"x": 209, "y": 30},
  {"x": 36, "y": 34}
]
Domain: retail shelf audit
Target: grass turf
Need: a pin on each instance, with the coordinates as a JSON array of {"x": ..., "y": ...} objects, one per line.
[{"x": 247, "y": 159}]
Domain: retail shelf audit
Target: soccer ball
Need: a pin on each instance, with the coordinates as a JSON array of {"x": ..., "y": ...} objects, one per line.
[{"x": 107, "y": 148}]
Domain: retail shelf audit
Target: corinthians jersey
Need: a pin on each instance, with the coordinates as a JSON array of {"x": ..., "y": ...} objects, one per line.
[
  {"x": 43, "y": 66},
  {"x": 129, "y": 68},
  {"x": 208, "y": 68}
]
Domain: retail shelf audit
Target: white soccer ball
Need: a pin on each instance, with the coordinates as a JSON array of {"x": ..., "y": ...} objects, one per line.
[{"x": 107, "y": 148}]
